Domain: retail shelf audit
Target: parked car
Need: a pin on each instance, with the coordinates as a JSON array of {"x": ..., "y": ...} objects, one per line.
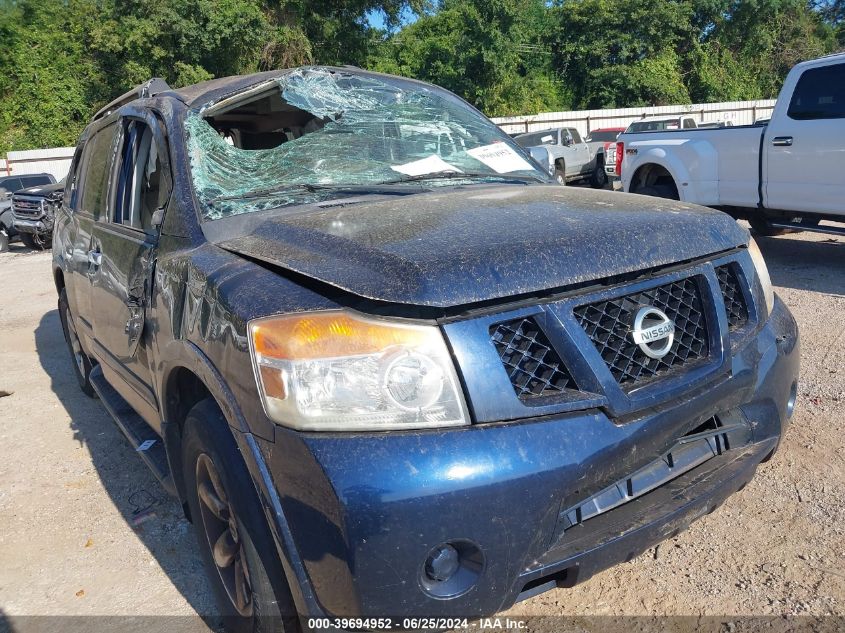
[
  {"x": 782, "y": 175},
  {"x": 34, "y": 210},
  {"x": 573, "y": 158},
  {"x": 602, "y": 141},
  {"x": 8, "y": 186},
  {"x": 659, "y": 124},
  {"x": 387, "y": 383}
]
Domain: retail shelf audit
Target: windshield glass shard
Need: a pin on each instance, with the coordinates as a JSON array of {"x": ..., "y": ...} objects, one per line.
[{"x": 317, "y": 133}]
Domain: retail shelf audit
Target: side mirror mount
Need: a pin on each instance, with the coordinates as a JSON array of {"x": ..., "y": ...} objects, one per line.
[{"x": 568, "y": 140}]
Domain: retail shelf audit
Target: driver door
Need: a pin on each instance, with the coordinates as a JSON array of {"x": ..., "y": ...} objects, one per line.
[{"x": 124, "y": 242}]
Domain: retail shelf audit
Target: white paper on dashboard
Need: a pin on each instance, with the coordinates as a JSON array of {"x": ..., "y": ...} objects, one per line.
[
  {"x": 431, "y": 165},
  {"x": 500, "y": 158},
  {"x": 548, "y": 139}
]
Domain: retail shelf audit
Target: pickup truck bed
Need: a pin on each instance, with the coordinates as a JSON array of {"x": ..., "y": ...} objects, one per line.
[{"x": 787, "y": 172}]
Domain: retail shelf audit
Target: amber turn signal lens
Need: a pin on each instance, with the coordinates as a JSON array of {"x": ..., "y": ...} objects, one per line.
[{"x": 329, "y": 335}]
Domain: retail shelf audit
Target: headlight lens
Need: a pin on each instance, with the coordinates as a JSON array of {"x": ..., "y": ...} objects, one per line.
[
  {"x": 339, "y": 371},
  {"x": 762, "y": 275}
]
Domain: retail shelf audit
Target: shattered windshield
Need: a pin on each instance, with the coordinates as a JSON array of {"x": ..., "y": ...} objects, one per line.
[{"x": 317, "y": 134}]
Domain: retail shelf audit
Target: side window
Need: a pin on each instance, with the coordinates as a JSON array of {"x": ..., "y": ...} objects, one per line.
[
  {"x": 72, "y": 182},
  {"x": 11, "y": 184},
  {"x": 688, "y": 124},
  {"x": 34, "y": 181},
  {"x": 142, "y": 186},
  {"x": 95, "y": 171},
  {"x": 576, "y": 138},
  {"x": 820, "y": 94}
]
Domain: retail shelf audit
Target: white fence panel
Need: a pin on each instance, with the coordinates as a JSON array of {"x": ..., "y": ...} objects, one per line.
[
  {"x": 54, "y": 161},
  {"x": 737, "y": 112}
]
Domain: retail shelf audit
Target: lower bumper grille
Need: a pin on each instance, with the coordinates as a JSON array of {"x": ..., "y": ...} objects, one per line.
[{"x": 709, "y": 440}]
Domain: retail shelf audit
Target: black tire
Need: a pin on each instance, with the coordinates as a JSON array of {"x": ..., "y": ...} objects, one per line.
[
  {"x": 761, "y": 226},
  {"x": 598, "y": 179},
  {"x": 82, "y": 365},
  {"x": 36, "y": 242},
  {"x": 658, "y": 191},
  {"x": 238, "y": 525},
  {"x": 4, "y": 239},
  {"x": 560, "y": 173}
]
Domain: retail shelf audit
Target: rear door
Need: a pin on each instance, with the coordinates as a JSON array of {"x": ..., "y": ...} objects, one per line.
[
  {"x": 805, "y": 143},
  {"x": 126, "y": 239}
]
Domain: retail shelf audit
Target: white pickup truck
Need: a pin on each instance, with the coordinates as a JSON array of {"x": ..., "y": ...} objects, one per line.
[{"x": 785, "y": 175}]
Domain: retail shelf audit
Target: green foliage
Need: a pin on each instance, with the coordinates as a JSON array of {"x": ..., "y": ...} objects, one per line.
[
  {"x": 491, "y": 52},
  {"x": 63, "y": 59}
]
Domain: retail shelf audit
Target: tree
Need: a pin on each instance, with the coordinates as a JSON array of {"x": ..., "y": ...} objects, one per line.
[{"x": 491, "y": 52}]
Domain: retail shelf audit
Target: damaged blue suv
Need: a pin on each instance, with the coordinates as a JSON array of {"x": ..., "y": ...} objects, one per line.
[{"x": 391, "y": 369}]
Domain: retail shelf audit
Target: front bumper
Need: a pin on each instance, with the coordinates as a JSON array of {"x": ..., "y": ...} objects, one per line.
[
  {"x": 365, "y": 511},
  {"x": 33, "y": 227}
]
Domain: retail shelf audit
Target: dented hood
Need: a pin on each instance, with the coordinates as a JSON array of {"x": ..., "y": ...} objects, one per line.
[{"x": 456, "y": 246}]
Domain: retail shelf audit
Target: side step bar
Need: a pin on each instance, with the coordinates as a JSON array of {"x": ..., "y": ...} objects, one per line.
[
  {"x": 830, "y": 230},
  {"x": 135, "y": 429}
]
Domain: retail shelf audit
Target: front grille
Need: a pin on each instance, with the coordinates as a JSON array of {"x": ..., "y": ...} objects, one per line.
[
  {"x": 609, "y": 325},
  {"x": 533, "y": 366},
  {"x": 735, "y": 306},
  {"x": 27, "y": 207}
]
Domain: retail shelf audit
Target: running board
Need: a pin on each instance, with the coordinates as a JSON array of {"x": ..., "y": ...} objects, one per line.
[
  {"x": 830, "y": 230},
  {"x": 136, "y": 430}
]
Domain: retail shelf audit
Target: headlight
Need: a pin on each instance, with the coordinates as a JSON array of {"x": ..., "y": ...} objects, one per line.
[
  {"x": 338, "y": 371},
  {"x": 762, "y": 275}
]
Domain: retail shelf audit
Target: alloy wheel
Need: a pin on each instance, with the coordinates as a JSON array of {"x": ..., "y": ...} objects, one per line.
[{"x": 221, "y": 529}]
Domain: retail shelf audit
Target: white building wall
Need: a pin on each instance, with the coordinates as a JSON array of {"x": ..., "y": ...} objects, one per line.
[
  {"x": 737, "y": 112},
  {"x": 54, "y": 161}
]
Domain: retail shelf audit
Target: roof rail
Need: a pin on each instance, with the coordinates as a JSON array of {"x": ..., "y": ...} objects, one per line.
[{"x": 149, "y": 88}]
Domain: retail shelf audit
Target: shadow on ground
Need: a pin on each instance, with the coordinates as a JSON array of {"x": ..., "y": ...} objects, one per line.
[
  {"x": 817, "y": 266},
  {"x": 155, "y": 517}
]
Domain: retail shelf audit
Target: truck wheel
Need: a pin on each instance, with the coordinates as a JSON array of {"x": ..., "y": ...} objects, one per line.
[
  {"x": 658, "y": 191},
  {"x": 560, "y": 172},
  {"x": 233, "y": 535},
  {"x": 81, "y": 363},
  {"x": 35, "y": 242},
  {"x": 4, "y": 239},
  {"x": 762, "y": 226},
  {"x": 598, "y": 179}
]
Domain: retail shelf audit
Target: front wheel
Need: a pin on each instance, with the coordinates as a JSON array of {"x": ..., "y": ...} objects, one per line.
[
  {"x": 4, "y": 239},
  {"x": 233, "y": 535},
  {"x": 36, "y": 241},
  {"x": 560, "y": 174}
]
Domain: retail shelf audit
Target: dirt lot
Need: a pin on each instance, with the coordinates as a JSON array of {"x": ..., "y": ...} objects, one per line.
[{"x": 85, "y": 529}]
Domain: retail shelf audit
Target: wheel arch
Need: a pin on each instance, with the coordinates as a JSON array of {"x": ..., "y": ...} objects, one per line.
[
  {"x": 654, "y": 173},
  {"x": 186, "y": 380}
]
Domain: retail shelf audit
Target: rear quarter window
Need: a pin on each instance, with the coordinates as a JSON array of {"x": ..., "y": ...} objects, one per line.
[{"x": 819, "y": 94}]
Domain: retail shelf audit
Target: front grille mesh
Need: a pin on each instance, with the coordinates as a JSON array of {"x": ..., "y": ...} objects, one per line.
[
  {"x": 609, "y": 324},
  {"x": 735, "y": 306},
  {"x": 27, "y": 207},
  {"x": 533, "y": 366}
]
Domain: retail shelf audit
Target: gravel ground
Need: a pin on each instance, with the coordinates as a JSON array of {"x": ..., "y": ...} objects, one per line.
[{"x": 86, "y": 530}]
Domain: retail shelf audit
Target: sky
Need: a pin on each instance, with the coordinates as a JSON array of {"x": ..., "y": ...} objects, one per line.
[{"x": 377, "y": 17}]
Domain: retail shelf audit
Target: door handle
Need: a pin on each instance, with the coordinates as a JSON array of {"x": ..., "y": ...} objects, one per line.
[{"x": 782, "y": 141}]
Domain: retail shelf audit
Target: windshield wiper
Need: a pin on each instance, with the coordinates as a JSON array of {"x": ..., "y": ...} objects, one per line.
[{"x": 463, "y": 175}]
